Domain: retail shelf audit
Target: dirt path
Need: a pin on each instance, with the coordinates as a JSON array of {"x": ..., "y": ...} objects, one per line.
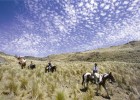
[{"x": 2, "y": 60}]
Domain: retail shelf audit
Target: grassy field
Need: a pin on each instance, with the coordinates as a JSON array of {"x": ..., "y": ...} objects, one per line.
[{"x": 65, "y": 83}]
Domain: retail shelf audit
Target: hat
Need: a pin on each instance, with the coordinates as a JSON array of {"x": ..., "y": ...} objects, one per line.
[{"x": 95, "y": 64}]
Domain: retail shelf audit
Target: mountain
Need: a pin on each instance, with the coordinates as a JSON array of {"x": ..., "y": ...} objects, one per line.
[
  {"x": 34, "y": 58},
  {"x": 2, "y": 57},
  {"x": 2, "y": 53},
  {"x": 129, "y": 52}
]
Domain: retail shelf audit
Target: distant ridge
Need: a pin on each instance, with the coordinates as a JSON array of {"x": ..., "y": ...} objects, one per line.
[
  {"x": 2, "y": 53},
  {"x": 133, "y": 42},
  {"x": 35, "y": 58},
  {"x": 2, "y": 60},
  {"x": 129, "y": 52}
]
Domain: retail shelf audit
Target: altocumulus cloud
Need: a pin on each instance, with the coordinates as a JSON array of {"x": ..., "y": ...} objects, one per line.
[{"x": 59, "y": 26}]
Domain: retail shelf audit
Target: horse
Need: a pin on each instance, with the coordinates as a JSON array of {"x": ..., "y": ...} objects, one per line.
[
  {"x": 86, "y": 78},
  {"x": 32, "y": 66},
  {"x": 102, "y": 81},
  {"x": 22, "y": 62},
  {"x": 52, "y": 69}
]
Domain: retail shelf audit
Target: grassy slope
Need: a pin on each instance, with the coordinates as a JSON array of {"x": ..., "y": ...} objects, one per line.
[
  {"x": 129, "y": 52},
  {"x": 17, "y": 84}
]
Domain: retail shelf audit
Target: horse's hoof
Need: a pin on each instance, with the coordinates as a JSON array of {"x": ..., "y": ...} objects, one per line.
[
  {"x": 97, "y": 94},
  {"x": 86, "y": 88},
  {"x": 108, "y": 97}
]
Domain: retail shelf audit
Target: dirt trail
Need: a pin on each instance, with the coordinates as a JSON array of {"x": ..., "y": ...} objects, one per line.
[{"x": 2, "y": 60}]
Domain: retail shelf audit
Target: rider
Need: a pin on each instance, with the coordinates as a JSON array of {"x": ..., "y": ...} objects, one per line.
[
  {"x": 49, "y": 65},
  {"x": 31, "y": 63},
  {"x": 95, "y": 70}
]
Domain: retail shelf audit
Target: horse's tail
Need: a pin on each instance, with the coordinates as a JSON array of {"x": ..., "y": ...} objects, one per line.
[
  {"x": 83, "y": 79},
  {"x": 34, "y": 66},
  {"x": 54, "y": 68}
]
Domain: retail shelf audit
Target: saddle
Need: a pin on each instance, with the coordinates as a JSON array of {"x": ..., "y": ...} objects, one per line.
[{"x": 98, "y": 76}]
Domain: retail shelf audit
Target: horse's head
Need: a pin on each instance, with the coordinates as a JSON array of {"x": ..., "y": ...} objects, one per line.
[
  {"x": 17, "y": 57},
  {"x": 111, "y": 77}
]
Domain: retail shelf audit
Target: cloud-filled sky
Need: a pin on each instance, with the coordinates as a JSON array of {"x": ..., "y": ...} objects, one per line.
[{"x": 45, "y": 27}]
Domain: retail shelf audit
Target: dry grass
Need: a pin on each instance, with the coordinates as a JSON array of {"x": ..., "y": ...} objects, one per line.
[
  {"x": 65, "y": 83},
  {"x": 38, "y": 85}
]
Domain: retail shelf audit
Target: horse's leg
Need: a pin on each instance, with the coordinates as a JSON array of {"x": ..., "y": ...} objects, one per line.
[
  {"x": 51, "y": 70},
  {"x": 24, "y": 65},
  {"x": 21, "y": 67},
  {"x": 83, "y": 79},
  {"x": 106, "y": 91},
  {"x": 87, "y": 83},
  {"x": 98, "y": 87},
  {"x": 84, "y": 83},
  {"x": 47, "y": 70}
]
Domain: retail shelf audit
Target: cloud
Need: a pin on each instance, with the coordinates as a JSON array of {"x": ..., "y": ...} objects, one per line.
[
  {"x": 67, "y": 26},
  {"x": 26, "y": 44},
  {"x": 121, "y": 32}
]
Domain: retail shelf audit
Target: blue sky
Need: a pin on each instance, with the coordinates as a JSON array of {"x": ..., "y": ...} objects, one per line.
[{"x": 44, "y": 27}]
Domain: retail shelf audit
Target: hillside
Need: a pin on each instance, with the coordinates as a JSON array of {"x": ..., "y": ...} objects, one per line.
[
  {"x": 5, "y": 58},
  {"x": 129, "y": 52},
  {"x": 65, "y": 84}
]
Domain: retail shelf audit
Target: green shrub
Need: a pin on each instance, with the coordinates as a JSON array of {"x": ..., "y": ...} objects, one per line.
[
  {"x": 60, "y": 96},
  {"x": 23, "y": 82}
]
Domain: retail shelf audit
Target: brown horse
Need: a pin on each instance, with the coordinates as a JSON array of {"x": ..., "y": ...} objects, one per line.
[
  {"x": 52, "y": 69},
  {"x": 22, "y": 62}
]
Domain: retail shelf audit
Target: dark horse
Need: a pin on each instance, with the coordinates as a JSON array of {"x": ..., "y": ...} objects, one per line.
[
  {"x": 52, "y": 69},
  {"x": 86, "y": 78},
  {"x": 102, "y": 80},
  {"x": 32, "y": 66},
  {"x": 22, "y": 64}
]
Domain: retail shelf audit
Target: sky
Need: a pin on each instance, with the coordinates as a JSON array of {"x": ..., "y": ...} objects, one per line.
[{"x": 44, "y": 27}]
